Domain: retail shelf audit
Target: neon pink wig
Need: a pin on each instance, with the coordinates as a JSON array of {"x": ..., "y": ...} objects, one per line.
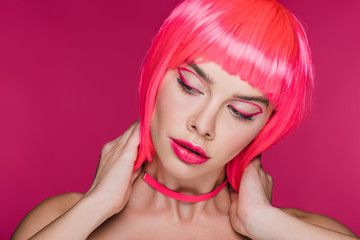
[{"x": 258, "y": 40}]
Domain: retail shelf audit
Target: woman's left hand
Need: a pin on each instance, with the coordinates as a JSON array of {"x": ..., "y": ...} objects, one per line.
[
  {"x": 254, "y": 196},
  {"x": 252, "y": 215}
]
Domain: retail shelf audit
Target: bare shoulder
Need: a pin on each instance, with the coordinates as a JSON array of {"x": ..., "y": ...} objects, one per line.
[
  {"x": 44, "y": 213},
  {"x": 319, "y": 220}
]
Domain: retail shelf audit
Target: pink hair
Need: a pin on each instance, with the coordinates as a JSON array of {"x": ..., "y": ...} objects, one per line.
[{"x": 258, "y": 40}]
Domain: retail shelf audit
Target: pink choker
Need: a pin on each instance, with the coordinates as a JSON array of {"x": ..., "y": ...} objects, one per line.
[{"x": 179, "y": 196}]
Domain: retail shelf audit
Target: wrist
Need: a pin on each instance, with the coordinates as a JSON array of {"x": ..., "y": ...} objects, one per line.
[
  {"x": 103, "y": 205},
  {"x": 258, "y": 221}
]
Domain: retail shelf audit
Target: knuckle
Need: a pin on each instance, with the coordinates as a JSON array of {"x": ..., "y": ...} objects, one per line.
[
  {"x": 238, "y": 213},
  {"x": 107, "y": 147}
]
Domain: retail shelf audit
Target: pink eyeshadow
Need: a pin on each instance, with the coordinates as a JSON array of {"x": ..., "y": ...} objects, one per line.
[
  {"x": 185, "y": 69},
  {"x": 249, "y": 114}
]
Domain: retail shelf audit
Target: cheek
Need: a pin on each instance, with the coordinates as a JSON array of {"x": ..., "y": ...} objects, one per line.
[
  {"x": 170, "y": 108},
  {"x": 235, "y": 138}
]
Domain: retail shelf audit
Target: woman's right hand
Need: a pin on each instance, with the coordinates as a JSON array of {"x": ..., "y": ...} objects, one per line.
[
  {"x": 70, "y": 216},
  {"x": 114, "y": 173}
]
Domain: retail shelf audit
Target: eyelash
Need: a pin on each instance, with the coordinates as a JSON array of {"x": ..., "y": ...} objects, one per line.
[
  {"x": 240, "y": 115},
  {"x": 186, "y": 88},
  {"x": 191, "y": 91}
]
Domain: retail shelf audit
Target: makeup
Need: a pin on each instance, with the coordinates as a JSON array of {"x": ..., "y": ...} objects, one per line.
[
  {"x": 251, "y": 108},
  {"x": 179, "y": 196},
  {"x": 181, "y": 70},
  {"x": 188, "y": 152}
]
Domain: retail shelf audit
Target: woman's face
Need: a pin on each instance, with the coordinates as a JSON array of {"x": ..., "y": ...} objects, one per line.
[{"x": 203, "y": 118}]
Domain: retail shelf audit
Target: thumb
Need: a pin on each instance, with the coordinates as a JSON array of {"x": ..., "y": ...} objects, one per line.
[
  {"x": 233, "y": 195},
  {"x": 135, "y": 175}
]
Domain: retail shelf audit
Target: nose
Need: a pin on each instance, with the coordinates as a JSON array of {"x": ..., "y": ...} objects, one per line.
[{"x": 203, "y": 122}]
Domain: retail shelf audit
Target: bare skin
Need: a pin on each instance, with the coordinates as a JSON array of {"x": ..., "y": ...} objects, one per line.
[
  {"x": 141, "y": 212},
  {"x": 142, "y": 219},
  {"x": 120, "y": 205}
]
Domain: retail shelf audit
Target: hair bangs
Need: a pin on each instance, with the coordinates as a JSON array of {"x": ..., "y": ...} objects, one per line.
[
  {"x": 258, "y": 40},
  {"x": 256, "y": 43}
]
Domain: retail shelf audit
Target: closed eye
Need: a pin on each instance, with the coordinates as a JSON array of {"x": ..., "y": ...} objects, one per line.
[
  {"x": 186, "y": 87},
  {"x": 240, "y": 115}
]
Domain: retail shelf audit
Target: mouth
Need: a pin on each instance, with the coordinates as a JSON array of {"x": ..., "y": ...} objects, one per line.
[
  {"x": 189, "y": 149},
  {"x": 187, "y": 152}
]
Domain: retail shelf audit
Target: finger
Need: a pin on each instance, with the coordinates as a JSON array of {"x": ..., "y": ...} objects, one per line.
[
  {"x": 128, "y": 131},
  {"x": 97, "y": 170},
  {"x": 115, "y": 146},
  {"x": 269, "y": 190},
  {"x": 256, "y": 162},
  {"x": 135, "y": 175},
  {"x": 233, "y": 195},
  {"x": 271, "y": 182},
  {"x": 268, "y": 185},
  {"x": 134, "y": 137},
  {"x": 123, "y": 138},
  {"x": 131, "y": 146},
  {"x": 259, "y": 157}
]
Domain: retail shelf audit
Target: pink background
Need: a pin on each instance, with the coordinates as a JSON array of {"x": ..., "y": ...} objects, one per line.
[{"x": 68, "y": 84}]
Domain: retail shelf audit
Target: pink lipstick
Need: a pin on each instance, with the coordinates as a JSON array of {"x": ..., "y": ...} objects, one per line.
[{"x": 188, "y": 152}]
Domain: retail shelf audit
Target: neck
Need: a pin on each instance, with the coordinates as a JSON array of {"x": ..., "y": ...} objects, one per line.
[
  {"x": 187, "y": 184},
  {"x": 179, "y": 196}
]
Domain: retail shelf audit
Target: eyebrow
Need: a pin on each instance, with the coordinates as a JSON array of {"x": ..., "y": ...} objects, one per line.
[
  {"x": 263, "y": 100},
  {"x": 207, "y": 78},
  {"x": 201, "y": 73}
]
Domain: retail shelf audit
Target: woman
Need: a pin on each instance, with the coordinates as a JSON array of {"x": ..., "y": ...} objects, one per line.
[{"x": 223, "y": 81}]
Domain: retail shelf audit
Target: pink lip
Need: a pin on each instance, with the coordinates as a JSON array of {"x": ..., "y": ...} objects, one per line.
[{"x": 179, "y": 147}]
